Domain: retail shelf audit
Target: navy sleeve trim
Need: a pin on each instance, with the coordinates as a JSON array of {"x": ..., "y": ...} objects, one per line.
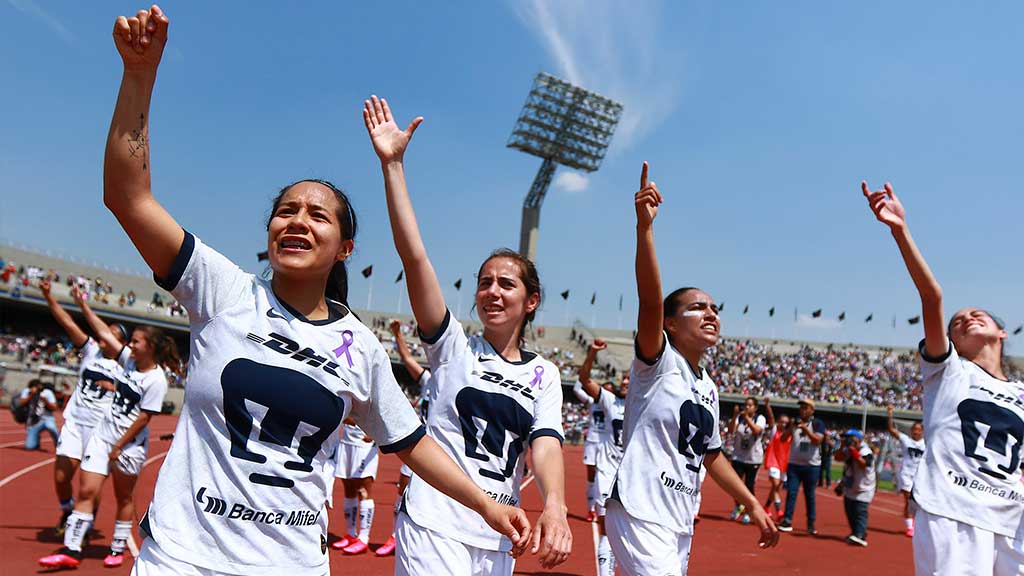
[
  {"x": 546, "y": 432},
  {"x": 407, "y": 442},
  {"x": 935, "y": 360},
  {"x": 152, "y": 412},
  {"x": 712, "y": 451},
  {"x": 188, "y": 246},
  {"x": 653, "y": 361},
  {"x": 78, "y": 348},
  {"x": 433, "y": 338}
]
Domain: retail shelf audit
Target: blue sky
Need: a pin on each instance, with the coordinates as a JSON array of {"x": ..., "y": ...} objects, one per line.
[{"x": 759, "y": 121}]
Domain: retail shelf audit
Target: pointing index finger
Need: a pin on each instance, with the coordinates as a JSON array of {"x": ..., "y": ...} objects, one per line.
[{"x": 643, "y": 176}]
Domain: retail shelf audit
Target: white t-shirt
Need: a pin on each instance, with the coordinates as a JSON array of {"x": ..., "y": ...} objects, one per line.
[
  {"x": 859, "y": 483},
  {"x": 243, "y": 490},
  {"x": 671, "y": 423},
  {"x": 747, "y": 446},
  {"x": 136, "y": 391},
  {"x": 427, "y": 393},
  {"x": 974, "y": 427},
  {"x": 597, "y": 424},
  {"x": 609, "y": 451},
  {"x": 40, "y": 408},
  {"x": 803, "y": 451},
  {"x": 913, "y": 453},
  {"x": 90, "y": 402},
  {"x": 485, "y": 412}
]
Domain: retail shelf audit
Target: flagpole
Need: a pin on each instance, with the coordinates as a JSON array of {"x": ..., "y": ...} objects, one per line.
[
  {"x": 369, "y": 295},
  {"x": 458, "y": 304},
  {"x": 401, "y": 292}
]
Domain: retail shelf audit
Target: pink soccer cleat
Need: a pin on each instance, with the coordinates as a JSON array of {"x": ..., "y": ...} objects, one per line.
[
  {"x": 64, "y": 558},
  {"x": 113, "y": 560},
  {"x": 344, "y": 542},
  {"x": 386, "y": 549},
  {"x": 910, "y": 532},
  {"x": 356, "y": 547}
]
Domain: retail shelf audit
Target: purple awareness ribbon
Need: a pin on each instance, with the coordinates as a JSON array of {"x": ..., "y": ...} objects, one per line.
[
  {"x": 538, "y": 373},
  {"x": 346, "y": 343}
]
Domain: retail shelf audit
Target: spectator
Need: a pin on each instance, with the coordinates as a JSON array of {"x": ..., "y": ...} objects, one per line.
[
  {"x": 808, "y": 433},
  {"x": 828, "y": 447},
  {"x": 858, "y": 484},
  {"x": 41, "y": 404}
]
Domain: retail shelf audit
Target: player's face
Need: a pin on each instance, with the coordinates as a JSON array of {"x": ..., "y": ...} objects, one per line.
[
  {"x": 141, "y": 350},
  {"x": 624, "y": 386},
  {"x": 917, "y": 431},
  {"x": 971, "y": 329},
  {"x": 304, "y": 237},
  {"x": 696, "y": 323},
  {"x": 783, "y": 421},
  {"x": 502, "y": 301}
]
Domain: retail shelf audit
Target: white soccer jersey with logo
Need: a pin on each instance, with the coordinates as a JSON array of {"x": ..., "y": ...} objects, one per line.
[
  {"x": 243, "y": 487},
  {"x": 671, "y": 423},
  {"x": 913, "y": 453},
  {"x": 596, "y": 425},
  {"x": 136, "y": 391},
  {"x": 747, "y": 446},
  {"x": 90, "y": 401},
  {"x": 974, "y": 428},
  {"x": 485, "y": 413},
  {"x": 609, "y": 453}
]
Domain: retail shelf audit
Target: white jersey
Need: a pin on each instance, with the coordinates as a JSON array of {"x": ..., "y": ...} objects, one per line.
[
  {"x": 427, "y": 393},
  {"x": 485, "y": 413},
  {"x": 609, "y": 453},
  {"x": 671, "y": 423},
  {"x": 747, "y": 446},
  {"x": 354, "y": 436},
  {"x": 913, "y": 453},
  {"x": 90, "y": 402},
  {"x": 597, "y": 424},
  {"x": 136, "y": 391},
  {"x": 974, "y": 427},
  {"x": 243, "y": 488}
]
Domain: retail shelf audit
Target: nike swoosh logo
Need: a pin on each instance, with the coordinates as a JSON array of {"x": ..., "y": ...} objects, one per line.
[
  {"x": 482, "y": 359},
  {"x": 271, "y": 313}
]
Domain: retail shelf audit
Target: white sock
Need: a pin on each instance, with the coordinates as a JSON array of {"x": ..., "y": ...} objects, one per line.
[
  {"x": 365, "y": 519},
  {"x": 909, "y": 522},
  {"x": 351, "y": 515},
  {"x": 591, "y": 497},
  {"x": 122, "y": 532},
  {"x": 75, "y": 530},
  {"x": 605, "y": 557}
]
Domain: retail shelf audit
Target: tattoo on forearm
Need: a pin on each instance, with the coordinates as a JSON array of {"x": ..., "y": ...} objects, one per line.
[{"x": 138, "y": 144}]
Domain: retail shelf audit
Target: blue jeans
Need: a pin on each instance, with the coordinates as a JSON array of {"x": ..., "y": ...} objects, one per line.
[
  {"x": 796, "y": 475},
  {"x": 857, "y": 516},
  {"x": 32, "y": 433}
]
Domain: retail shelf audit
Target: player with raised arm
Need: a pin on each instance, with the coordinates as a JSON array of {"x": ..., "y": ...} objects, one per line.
[
  {"x": 485, "y": 381},
  {"x": 968, "y": 487},
  {"x": 89, "y": 403},
  {"x": 747, "y": 428},
  {"x": 591, "y": 444},
  {"x": 275, "y": 367},
  {"x": 776, "y": 458},
  {"x": 609, "y": 453},
  {"x": 913, "y": 451},
  {"x": 671, "y": 420}
]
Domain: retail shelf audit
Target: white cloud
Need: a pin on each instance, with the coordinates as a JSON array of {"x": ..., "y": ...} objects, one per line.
[
  {"x": 30, "y": 8},
  {"x": 821, "y": 323},
  {"x": 571, "y": 181},
  {"x": 610, "y": 47}
]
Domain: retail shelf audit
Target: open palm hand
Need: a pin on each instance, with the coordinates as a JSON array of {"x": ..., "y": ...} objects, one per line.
[{"x": 389, "y": 141}]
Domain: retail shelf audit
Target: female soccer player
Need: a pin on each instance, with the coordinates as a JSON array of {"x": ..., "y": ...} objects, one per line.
[
  {"x": 747, "y": 426},
  {"x": 90, "y": 401},
  {"x": 671, "y": 423},
  {"x": 968, "y": 488},
  {"x": 275, "y": 367},
  {"x": 120, "y": 441},
  {"x": 492, "y": 398},
  {"x": 776, "y": 458},
  {"x": 913, "y": 451},
  {"x": 357, "y": 459},
  {"x": 591, "y": 444}
]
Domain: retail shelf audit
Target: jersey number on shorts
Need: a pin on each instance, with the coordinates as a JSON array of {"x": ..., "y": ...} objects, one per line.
[
  {"x": 288, "y": 400},
  {"x": 696, "y": 425},
  {"x": 500, "y": 414},
  {"x": 993, "y": 436}
]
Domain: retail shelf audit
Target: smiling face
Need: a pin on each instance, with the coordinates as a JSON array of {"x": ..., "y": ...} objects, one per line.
[
  {"x": 972, "y": 329},
  {"x": 694, "y": 325},
  {"x": 624, "y": 386},
  {"x": 917, "y": 431},
  {"x": 304, "y": 234},
  {"x": 502, "y": 300},
  {"x": 142, "y": 349}
]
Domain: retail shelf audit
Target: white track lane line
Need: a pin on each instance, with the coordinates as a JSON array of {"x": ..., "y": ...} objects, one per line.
[
  {"x": 597, "y": 538},
  {"x": 132, "y": 546},
  {"x": 26, "y": 470},
  {"x": 529, "y": 480}
]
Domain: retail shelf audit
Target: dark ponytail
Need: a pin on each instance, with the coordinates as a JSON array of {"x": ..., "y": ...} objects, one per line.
[{"x": 337, "y": 281}]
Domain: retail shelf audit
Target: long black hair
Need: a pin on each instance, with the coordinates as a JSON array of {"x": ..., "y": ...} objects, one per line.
[{"x": 337, "y": 282}]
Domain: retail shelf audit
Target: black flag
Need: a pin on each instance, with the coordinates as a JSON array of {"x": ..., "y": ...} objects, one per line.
[
  {"x": 816, "y": 313},
  {"x": 771, "y": 312},
  {"x": 260, "y": 257},
  {"x": 565, "y": 295},
  {"x": 593, "y": 299},
  {"x": 842, "y": 316},
  {"x": 458, "y": 284},
  {"x": 746, "y": 309},
  {"x": 368, "y": 271},
  {"x": 869, "y": 318},
  {"x": 1018, "y": 330},
  {"x": 401, "y": 274},
  {"x": 721, "y": 307},
  {"x": 913, "y": 320}
]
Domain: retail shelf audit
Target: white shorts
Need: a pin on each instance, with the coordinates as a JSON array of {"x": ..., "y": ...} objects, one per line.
[
  {"x": 153, "y": 561},
  {"x": 643, "y": 548},
  {"x": 356, "y": 461},
  {"x": 905, "y": 482},
  {"x": 73, "y": 440},
  {"x": 422, "y": 551},
  {"x": 405, "y": 471},
  {"x": 945, "y": 547},
  {"x": 97, "y": 457},
  {"x": 776, "y": 474},
  {"x": 590, "y": 453}
]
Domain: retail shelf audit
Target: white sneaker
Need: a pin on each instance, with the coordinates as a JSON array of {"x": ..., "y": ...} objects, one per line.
[{"x": 853, "y": 539}]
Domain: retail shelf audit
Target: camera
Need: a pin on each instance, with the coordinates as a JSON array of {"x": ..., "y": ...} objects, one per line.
[{"x": 849, "y": 441}]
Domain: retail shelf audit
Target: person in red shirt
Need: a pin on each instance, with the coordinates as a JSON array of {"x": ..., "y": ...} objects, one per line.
[{"x": 776, "y": 458}]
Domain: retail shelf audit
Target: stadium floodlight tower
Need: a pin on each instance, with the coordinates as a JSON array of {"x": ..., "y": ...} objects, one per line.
[{"x": 563, "y": 124}]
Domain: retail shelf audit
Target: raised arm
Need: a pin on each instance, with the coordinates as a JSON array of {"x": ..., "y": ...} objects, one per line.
[
  {"x": 770, "y": 415},
  {"x": 104, "y": 336},
  {"x": 889, "y": 211},
  {"x": 127, "y": 163},
  {"x": 650, "y": 318},
  {"x": 414, "y": 368},
  {"x": 733, "y": 422},
  {"x": 389, "y": 142},
  {"x": 77, "y": 335},
  {"x": 591, "y": 388},
  {"x": 893, "y": 430}
]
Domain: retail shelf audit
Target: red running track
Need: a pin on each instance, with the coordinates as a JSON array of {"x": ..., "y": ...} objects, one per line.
[{"x": 28, "y": 511}]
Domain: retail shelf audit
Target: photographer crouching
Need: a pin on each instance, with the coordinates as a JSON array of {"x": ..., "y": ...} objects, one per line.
[{"x": 858, "y": 485}]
